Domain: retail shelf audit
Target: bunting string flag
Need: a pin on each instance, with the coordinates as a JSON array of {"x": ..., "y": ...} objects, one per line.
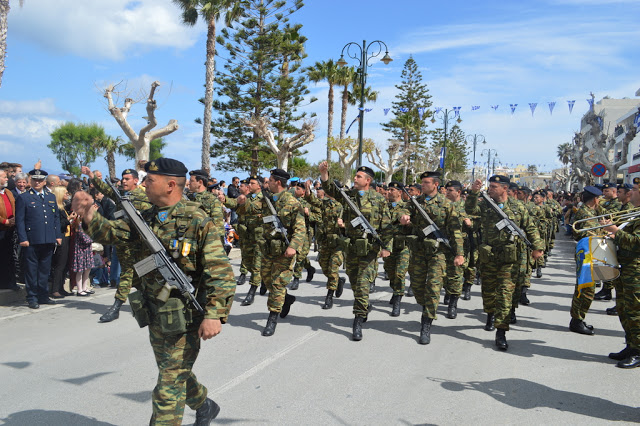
[
  {"x": 438, "y": 109},
  {"x": 551, "y": 106},
  {"x": 571, "y": 104},
  {"x": 386, "y": 111},
  {"x": 495, "y": 107},
  {"x": 404, "y": 109},
  {"x": 456, "y": 111},
  {"x": 421, "y": 111},
  {"x": 533, "y": 106},
  {"x": 513, "y": 108},
  {"x": 475, "y": 107}
]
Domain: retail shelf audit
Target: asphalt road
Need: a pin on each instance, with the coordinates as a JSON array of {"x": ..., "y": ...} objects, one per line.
[{"x": 59, "y": 366}]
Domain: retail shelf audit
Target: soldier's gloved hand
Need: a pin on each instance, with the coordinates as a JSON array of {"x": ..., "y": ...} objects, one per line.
[{"x": 209, "y": 328}]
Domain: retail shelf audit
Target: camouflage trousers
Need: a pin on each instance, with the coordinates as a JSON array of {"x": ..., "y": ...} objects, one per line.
[
  {"x": 361, "y": 270},
  {"x": 628, "y": 300},
  {"x": 276, "y": 272},
  {"x": 330, "y": 260},
  {"x": 302, "y": 261},
  {"x": 454, "y": 276},
  {"x": 469, "y": 273},
  {"x": 396, "y": 265},
  {"x": 177, "y": 384},
  {"x": 242, "y": 243},
  {"x": 499, "y": 287},
  {"x": 580, "y": 303},
  {"x": 427, "y": 278},
  {"x": 126, "y": 276},
  {"x": 252, "y": 258}
]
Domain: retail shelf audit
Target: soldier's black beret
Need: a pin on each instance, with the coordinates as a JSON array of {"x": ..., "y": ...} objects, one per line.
[
  {"x": 280, "y": 174},
  {"x": 625, "y": 186},
  {"x": 608, "y": 185},
  {"x": 132, "y": 172},
  {"x": 374, "y": 185},
  {"x": 367, "y": 170},
  {"x": 417, "y": 186},
  {"x": 599, "y": 186},
  {"x": 500, "y": 179},
  {"x": 200, "y": 173},
  {"x": 525, "y": 189},
  {"x": 636, "y": 180},
  {"x": 454, "y": 184},
  {"x": 396, "y": 185},
  {"x": 430, "y": 175},
  {"x": 254, "y": 177},
  {"x": 513, "y": 185},
  {"x": 166, "y": 167},
  {"x": 593, "y": 190},
  {"x": 38, "y": 174},
  {"x": 244, "y": 181}
]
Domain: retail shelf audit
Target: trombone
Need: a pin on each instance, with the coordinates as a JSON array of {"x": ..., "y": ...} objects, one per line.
[{"x": 617, "y": 218}]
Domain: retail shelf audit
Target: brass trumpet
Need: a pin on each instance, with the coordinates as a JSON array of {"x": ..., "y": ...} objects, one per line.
[{"x": 617, "y": 218}]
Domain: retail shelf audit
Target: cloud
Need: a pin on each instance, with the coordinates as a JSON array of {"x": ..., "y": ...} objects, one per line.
[
  {"x": 39, "y": 107},
  {"x": 99, "y": 29}
]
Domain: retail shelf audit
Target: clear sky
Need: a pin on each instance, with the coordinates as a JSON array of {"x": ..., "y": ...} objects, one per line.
[{"x": 61, "y": 55}]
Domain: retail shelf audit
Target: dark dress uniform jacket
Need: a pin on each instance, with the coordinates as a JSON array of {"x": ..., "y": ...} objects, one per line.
[{"x": 37, "y": 220}]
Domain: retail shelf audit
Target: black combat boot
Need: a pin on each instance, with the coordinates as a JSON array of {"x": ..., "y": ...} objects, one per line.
[
  {"x": 578, "y": 326},
  {"x": 409, "y": 292},
  {"x": 538, "y": 272},
  {"x": 632, "y": 361},
  {"x": 447, "y": 298},
  {"x": 612, "y": 311},
  {"x": 263, "y": 289},
  {"x": 425, "y": 330},
  {"x": 604, "y": 294},
  {"x": 288, "y": 301},
  {"x": 452, "y": 311},
  {"x": 272, "y": 321},
  {"x": 372, "y": 287},
  {"x": 310, "y": 271},
  {"x": 357, "y": 329},
  {"x": 113, "y": 313},
  {"x": 295, "y": 283},
  {"x": 524, "y": 300},
  {"x": 385, "y": 276},
  {"x": 501, "y": 339},
  {"x": 466, "y": 292},
  {"x": 241, "y": 279},
  {"x": 395, "y": 311},
  {"x": 393, "y": 298},
  {"x": 512, "y": 316},
  {"x": 250, "y": 295},
  {"x": 340, "y": 288},
  {"x": 328, "y": 301},
  {"x": 622, "y": 355},
  {"x": 206, "y": 413},
  {"x": 489, "y": 326}
]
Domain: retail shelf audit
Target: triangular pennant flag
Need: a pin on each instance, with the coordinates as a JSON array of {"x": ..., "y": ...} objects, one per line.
[
  {"x": 513, "y": 108},
  {"x": 421, "y": 111},
  {"x": 495, "y": 107},
  {"x": 404, "y": 109},
  {"x": 361, "y": 109},
  {"x": 475, "y": 107},
  {"x": 551, "y": 106},
  {"x": 456, "y": 111},
  {"x": 438, "y": 109},
  {"x": 533, "y": 107},
  {"x": 368, "y": 109},
  {"x": 571, "y": 104},
  {"x": 386, "y": 111}
]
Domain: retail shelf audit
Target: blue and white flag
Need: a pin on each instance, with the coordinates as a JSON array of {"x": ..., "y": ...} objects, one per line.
[
  {"x": 571, "y": 104},
  {"x": 443, "y": 154},
  {"x": 421, "y": 111},
  {"x": 456, "y": 111},
  {"x": 475, "y": 107},
  {"x": 584, "y": 265},
  {"x": 495, "y": 107},
  {"x": 386, "y": 111},
  {"x": 590, "y": 101},
  {"x": 438, "y": 109},
  {"x": 404, "y": 109},
  {"x": 368, "y": 109},
  {"x": 513, "y": 108},
  {"x": 551, "y": 106},
  {"x": 533, "y": 107},
  {"x": 637, "y": 122}
]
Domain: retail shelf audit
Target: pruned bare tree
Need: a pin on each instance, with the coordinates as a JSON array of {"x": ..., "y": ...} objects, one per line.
[
  {"x": 142, "y": 139},
  {"x": 398, "y": 153},
  {"x": 262, "y": 127},
  {"x": 347, "y": 149}
]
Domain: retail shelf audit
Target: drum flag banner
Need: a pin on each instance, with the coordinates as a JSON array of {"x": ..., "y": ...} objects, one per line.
[{"x": 584, "y": 264}]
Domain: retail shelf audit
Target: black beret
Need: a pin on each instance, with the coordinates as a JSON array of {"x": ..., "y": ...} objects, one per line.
[
  {"x": 625, "y": 186},
  {"x": 244, "y": 182},
  {"x": 513, "y": 185},
  {"x": 374, "y": 185},
  {"x": 608, "y": 185},
  {"x": 280, "y": 174},
  {"x": 38, "y": 174},
  {"x": 593, "y": 190},
  {"x": 499, "y": 179},
  {"x": 417, "y": 186},
  {"x": 367, "y": 170},
  {"x": 525, "y": 189},
  {"x": 453, "y": 184},
  {"x": 636, "y": 181},
  {"x": 299, "y": 184},
  {"x": 132, "y": 172},
  {"x": 430, "y": 175},
  {"x": 200, "y": 173},
  {"x": 396, "y": 185},
  {"x": 599, "y": 186},
  {"x": 166, "y": 167},
  {"x": 214, "y": 186},
  {"x": 254, "y": 177}
]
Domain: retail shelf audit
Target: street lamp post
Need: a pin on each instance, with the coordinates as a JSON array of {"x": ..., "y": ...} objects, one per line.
[
  {"x": 475, "y": 139},
  {"x": 363, "y": 56},
  {"x": 444, "y": 115},
  {"x": 489, "y": 152}
]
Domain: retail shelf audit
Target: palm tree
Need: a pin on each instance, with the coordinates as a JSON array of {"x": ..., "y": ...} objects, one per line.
[
  {"x": 564, "y": 153},
  {"x": 4, "y": 13},
  {"x": 211, "y": 10},
  {"x": 326, "y": 71},
  {"x": 345, "y": 78}
]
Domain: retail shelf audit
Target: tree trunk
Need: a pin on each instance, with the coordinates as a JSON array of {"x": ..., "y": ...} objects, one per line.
[
  {"x": 345, "y": 104},
  {"x": 111, "y": 163},
  {"x": 208, "y": 94},
  {"x": 330, "y": 123},
  {"x": 4, "y": 12},
  {"x": 406, "y": 161},
  {"x": 142, "y": 151}
]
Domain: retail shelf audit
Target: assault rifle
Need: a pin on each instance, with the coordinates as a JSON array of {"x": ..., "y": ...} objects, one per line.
[
  {"x": 505, "y": 222},
  {"x": 432, "y": 229},
  {"x": 359, "y": 220},
  {"x": 159, "y": 259},
  {"x": 278, "y": 227}
]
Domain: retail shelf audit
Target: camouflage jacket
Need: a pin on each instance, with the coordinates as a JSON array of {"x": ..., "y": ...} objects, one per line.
[
  {"x": 373, "y": 207},
  {"x": 137, "y": 196},
  {"x": 189, "y": 236},
  {"x": 289, "y": 212},
  {"x": 584, "y": 212},
  {"x": 249, "y": 213},
  {"x": 628, "y": 242},
  {"x": 326, "y": 213},
  {"x": 212, "y": 207},
  {"x": 397, "y": 209},
  {"x": 443, "y": 213},
  {"x": 610, "y": 206},
  {"x": 515, "y": 210}
]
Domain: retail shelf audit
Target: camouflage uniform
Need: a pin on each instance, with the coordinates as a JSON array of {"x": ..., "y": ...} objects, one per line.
[
  {"x": 471, "y": 251},
  {"x": 454, "y": 274},
  {"x": 361, "y": 252},
  {"x": 555, "y": 209},
  {"x": 501, "y": 255},
  {"x": 397, "y": 263},
  {"x": 302, "y": 260},
  {"x": 427, "y": 256},
  {"x": 582, "y": 301},
  {"x": 276, "y": 269},
  {"x": 200, "y": 255},
  {"x": 125, "y": 252},
  {"x": 329, "y": 237},
  {"x": 610, "y": 206},
  {"x": 250, "y": 230},
  {"x": 212, "y": 206}
]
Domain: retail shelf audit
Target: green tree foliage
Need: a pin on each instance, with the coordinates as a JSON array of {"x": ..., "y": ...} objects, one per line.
[
  {"x": 262, "y": 77},
  {"x": 300, "y": 167},
  {"x": 155, "y": 149},
  {"x": 326, "y": 71},
  {"x": 77, "y": 145},
  {"x": 457, "y": 150}
]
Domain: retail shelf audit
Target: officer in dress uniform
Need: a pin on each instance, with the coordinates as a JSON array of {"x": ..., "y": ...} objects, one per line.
[{"x": 38, "y": 227}]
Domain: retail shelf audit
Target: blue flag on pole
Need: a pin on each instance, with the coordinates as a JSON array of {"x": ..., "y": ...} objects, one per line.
[
  {"x": 584, "y": 264},
  {"x": 443, "y": 154}
]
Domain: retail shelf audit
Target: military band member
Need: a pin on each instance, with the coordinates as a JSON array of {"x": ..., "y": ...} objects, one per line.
[
  {"x": 609, "y": 204},
  {"x": 361, "y": 252},
  {"x": 428, "y": 256},
  {"x": 396, "y": 264}
]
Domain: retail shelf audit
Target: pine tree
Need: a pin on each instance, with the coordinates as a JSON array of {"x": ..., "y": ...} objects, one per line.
[
  {"x": 408, "y": 125},
  {"x": 262, "y": 77}
]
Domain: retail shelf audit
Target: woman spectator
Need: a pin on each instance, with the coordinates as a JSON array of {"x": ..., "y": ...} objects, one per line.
[
  {"x": 61, "y": 255},
  {"x": 82, "y": 258}
]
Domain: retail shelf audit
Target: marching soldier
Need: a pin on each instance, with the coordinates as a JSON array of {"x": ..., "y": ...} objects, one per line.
[
  {"x": 175, "y": 329},
  {"x": 471, "y": 251},
  {"x": 302, "y": 259},
  {"x": 609, "y": 204},
  {"x": 524, "y": 196},
  {"x": 138, "y": 197},
  {"x": 543, "y": 216},
  {"x": 396, "y": 264},
  {"x": 500, "y": 254},
  {"x": 278, "y": 258},
  {"x": 240, "y": 227},
  {"x": 208, "y": 201},
  {"x": 427, "y": 254},
  {"x": 361, "y": 252}
]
